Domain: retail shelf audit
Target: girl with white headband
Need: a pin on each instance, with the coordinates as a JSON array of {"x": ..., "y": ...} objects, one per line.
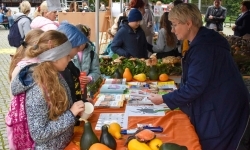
[{"x": 49, "y": 107}]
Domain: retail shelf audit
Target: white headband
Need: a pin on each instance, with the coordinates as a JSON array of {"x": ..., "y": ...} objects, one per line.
[{"x": 55, "y": 53}]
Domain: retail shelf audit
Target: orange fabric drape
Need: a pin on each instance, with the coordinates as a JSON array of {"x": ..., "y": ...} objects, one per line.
[{"x": 177, "y": 129}]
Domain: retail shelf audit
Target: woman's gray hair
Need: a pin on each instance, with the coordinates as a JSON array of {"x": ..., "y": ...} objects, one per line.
[{"x": 185, "y": 11}]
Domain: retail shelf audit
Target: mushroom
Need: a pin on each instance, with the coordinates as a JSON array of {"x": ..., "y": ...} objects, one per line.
[{"x": 148, "y": 62}]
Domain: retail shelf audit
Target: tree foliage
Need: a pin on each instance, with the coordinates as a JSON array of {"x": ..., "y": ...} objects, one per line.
[{"x": 233, "y": 7}]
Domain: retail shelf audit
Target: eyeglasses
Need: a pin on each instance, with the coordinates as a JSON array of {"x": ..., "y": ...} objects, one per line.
[{"x": 173, "y": 26}]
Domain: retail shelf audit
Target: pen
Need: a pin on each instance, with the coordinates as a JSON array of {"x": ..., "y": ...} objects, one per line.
[{"x": 129, "y": 131}]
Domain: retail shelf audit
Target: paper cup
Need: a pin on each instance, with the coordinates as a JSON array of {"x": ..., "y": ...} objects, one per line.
[{"x": 89, "y": 109}]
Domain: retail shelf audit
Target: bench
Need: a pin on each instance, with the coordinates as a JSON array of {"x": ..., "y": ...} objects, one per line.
[{"x": 5, "y": 24}]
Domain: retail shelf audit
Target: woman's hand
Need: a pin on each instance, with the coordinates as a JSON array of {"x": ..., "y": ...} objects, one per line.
[
  {"x": 77, "y": 107},
  {"x": 156, "y": 99},
  {"x": 84, "y": 80}
]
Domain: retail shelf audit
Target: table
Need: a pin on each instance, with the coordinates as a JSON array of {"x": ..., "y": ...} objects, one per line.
[{"x": 176, "y": 124}]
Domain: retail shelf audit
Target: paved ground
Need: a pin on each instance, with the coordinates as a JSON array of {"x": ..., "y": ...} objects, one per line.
[{"x": 5, "y": 50}]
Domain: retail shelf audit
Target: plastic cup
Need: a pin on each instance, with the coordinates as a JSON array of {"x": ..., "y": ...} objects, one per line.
[{"x": 89, "y": 109}]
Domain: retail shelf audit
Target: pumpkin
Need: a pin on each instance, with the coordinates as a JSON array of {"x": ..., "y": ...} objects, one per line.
[
  {"x": 152, "y": 73},
  {"x": 163, "y": 77},
  {"x": 88, "y": 137},
  {"x": 172, "y": 146},
  {"x": 107, "y": 139},
  {"x": 117, "y": 74},
  {"x": 99, "y": 146},
  {"x": 127, "y": 74},
  {"x": 136, "y": 145},
  {"x": 115, "y": 130}
]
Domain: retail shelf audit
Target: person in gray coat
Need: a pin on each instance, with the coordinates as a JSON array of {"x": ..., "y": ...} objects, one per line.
[
  {"x": 87, "y": 60},
  {"x": 166, "y": 41},
  {"x": 215, "y": 16},
  {"x": 24, "y": 22},
  {"x": 50, "y": 111}
]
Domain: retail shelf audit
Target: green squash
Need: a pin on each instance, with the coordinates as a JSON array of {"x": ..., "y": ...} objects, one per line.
[
  {"x": 153, "y": 74},
  {"x": 88, "y": 137},
  {"x": 107, "y": 139},
  {"x": 172, "y": 146},
  {"x": 117, "y": 74}
]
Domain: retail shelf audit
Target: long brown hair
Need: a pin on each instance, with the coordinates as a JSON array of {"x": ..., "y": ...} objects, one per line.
[
  {"x": 73, "y": 7},
  {"x": 166, "y": 24},
  {"x": 31, "y": 38},
  {"x": 46, "y": 75}
]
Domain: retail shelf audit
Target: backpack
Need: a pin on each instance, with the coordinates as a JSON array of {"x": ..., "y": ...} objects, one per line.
[
  {"x": 14, "y": 36},
  {"x": 17, "y": 125},
  {"x": 122, "y": 19}
]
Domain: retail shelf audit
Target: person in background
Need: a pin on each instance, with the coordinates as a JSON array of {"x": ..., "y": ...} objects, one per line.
[
  {"x": 71, "y": 74},
  {"x": 130, "y": 40},
  {"x": 102, "y": 7},
  {"x": 4, "y": 9},
  {"x": 147, "y": 23},
  {"x": 158, "y": 11},
  {"x": 87, "y": 63},
  {"x": 85, "y": 7},
  {"x": 73, "y": 7},
  {"x": 51, "y": 113},
  {"x": 10, "y": 17},
  {"x": 242, "y": 23},
  {"x": 108, "y": 50},
  {"x": 19, "y": 60},
  {"x": 215, "y": 16},
  {"x": 24, "y": 23},
  {"x": 137, "y": 4},
  {"x": 212, "y": 92},
  {"x": 44, "y": 19},
  {"x": 166, "y": 41},
  {"x": 1, "y": 16}
]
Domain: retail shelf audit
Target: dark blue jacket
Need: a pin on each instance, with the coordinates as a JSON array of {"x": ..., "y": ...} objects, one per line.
[
  {"x": 242, "y": 24},
  {"x": 212, "y": 93},
  {"x": 128, "y": 43}
]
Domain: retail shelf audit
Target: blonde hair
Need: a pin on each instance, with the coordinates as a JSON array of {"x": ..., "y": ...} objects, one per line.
[
  {"x": 158, "y": 3},
  {"x": 30, "y": 39},
  {"x": 41, "y": 10},
  {"x": 25, "y": 7},
  {"x": 184, "y": 12},
  {"x": 46, "y": 75}
]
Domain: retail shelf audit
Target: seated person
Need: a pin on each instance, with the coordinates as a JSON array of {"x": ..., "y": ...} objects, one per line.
[{"x": 130, "y": 40}]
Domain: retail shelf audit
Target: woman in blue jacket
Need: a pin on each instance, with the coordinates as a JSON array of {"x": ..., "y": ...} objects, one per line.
[{"x": 212, "y": 92}]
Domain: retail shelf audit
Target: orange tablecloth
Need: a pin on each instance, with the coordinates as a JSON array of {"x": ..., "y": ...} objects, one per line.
[{"x": 177, "y": 129}]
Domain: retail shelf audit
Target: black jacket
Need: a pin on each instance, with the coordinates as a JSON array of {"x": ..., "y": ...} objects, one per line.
[
  {"x": 128, "y": 43},
  {"x": 242, "y": 24},
  {"x": 219, "y": 16},
  {"x": 71, "y": 75}
]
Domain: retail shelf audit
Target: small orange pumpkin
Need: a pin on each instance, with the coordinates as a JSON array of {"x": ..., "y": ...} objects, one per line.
[
  {"x": 163, "y": 77},
  {"x": 99, "y": 146},
  {"x": 127, "y": 74}
]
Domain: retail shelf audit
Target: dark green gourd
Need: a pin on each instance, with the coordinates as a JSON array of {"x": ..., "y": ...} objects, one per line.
[
  {"x": 117, "y": 74},
  {"x": 107, "y": 139},
  {"x": 88, "y": 137},
  {"x": 152, "y": 73},
  {"x": 172, "y": 146}
]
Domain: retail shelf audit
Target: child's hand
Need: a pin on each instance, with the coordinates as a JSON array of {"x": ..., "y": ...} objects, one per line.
[
  {"x": 84, "y": 80},
  {"x": 77, "y": 107}
]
